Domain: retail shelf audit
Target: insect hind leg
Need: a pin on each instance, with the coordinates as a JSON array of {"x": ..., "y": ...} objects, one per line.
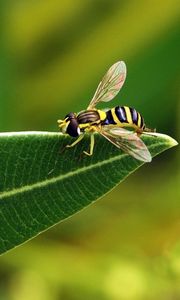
[{"x": 148, "y": 131}]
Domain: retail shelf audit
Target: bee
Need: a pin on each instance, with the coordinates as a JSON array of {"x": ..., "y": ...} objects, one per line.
[{"x": 121, "y": 125}]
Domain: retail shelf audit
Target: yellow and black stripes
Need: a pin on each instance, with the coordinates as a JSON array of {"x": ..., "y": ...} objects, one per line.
[{"x": 124, "y": 116}]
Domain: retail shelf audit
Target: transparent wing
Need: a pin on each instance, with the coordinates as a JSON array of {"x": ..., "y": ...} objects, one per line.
[
  {"x": 128, "y": 141},
  {"x": 110, "y": 85}
]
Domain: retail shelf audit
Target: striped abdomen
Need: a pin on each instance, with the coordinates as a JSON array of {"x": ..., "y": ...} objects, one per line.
[{"x": 124, "y": 116}]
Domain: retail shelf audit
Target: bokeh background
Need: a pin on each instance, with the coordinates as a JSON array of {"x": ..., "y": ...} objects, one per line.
[{"x": 52, "y": 57}]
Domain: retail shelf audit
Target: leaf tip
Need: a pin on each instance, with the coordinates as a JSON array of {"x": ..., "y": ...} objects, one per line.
[
  {"x": 164, "y": 137},
  {"x": 172, "y": 142},
  {"x": 169, "y": 140}
]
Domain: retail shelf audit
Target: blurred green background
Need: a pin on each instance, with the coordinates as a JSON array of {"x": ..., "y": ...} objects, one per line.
[{"x": 52, "y": 57}]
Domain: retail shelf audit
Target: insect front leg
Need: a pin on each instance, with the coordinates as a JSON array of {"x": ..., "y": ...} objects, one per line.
[{"x": 76, "y": 141}]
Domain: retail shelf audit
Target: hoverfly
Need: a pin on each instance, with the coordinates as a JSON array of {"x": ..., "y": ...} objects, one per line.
[{"x": 111, "y": 124}]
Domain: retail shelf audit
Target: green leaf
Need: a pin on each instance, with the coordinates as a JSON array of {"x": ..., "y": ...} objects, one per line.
[{"x": 41, "y": 185}]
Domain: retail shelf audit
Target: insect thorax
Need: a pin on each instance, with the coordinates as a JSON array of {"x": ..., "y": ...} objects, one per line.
[{"x": 88, "y": 117}]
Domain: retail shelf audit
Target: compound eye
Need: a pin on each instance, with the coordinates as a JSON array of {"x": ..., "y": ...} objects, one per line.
[
  {"x": 70, "y": 116},
  {"x": 73, "y": 128}
]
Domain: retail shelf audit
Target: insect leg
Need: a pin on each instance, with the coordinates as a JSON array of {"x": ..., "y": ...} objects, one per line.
[
  {"x": 76, "y": 141},
  {"x": 91, "y": 146}
]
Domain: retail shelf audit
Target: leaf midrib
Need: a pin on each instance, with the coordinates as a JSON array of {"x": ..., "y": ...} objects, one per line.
[{"x": 46, "y": 182}]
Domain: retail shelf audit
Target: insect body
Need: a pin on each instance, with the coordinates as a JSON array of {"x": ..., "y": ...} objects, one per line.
[{"x": 113, "y": 123}]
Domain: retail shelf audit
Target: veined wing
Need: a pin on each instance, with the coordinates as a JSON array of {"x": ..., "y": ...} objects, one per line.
[
  {"x": 128, "y": 141},
  {"x": 110, "y": 85}
]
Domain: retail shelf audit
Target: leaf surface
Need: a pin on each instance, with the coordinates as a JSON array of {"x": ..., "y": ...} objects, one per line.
[{"x": 41, "y": 185}]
